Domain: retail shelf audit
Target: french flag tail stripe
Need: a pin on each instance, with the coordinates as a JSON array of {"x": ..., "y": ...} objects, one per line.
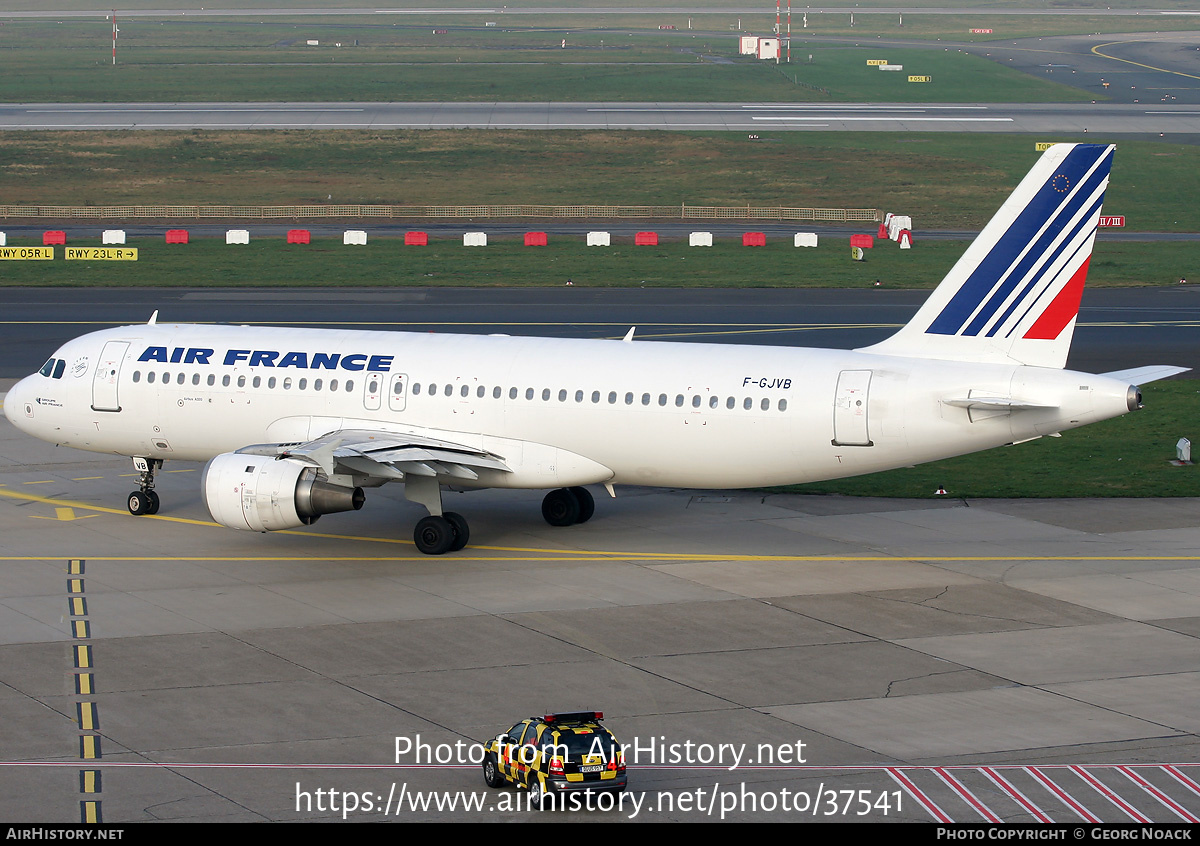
[
  {"x": 1013, "y": 297},
  {"x": 1028, "y": 240}
]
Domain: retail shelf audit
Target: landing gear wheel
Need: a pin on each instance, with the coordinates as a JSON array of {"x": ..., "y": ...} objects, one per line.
[
  {"x": 434, "y": 535},
  {"x": 587, "y": 505},
  {"x": 491, "y": 773},
  {"x": 561, "y": 508},
  {"x": 152, "y": 502},
  {"x": 139, "y": 504},
  {"x": 462, "y": 533}
]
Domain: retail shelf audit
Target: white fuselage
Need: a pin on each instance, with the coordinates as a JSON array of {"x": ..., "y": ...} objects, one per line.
[{"x": 557, "y": 411}]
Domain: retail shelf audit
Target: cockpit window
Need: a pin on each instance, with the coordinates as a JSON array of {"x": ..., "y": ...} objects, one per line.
[{"x": 54, "y": 368}]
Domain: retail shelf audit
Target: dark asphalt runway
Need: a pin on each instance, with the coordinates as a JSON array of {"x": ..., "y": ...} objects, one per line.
[{"x": 1117, "y": 329}]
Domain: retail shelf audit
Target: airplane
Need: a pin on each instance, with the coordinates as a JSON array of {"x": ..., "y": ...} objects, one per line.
[{"x": 295, "y": 423}]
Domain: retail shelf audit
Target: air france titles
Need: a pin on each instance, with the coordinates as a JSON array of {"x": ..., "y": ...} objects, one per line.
[{"x": 271, "y": 358}]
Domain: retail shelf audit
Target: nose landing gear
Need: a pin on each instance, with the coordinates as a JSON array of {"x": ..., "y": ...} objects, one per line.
[{"x": 144, "y": 500}]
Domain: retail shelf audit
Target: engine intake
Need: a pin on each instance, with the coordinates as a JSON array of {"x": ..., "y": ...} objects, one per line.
[{"x": 259, "y": 493}]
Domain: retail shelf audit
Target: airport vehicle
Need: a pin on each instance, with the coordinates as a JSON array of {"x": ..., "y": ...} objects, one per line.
[
  {"x": 556, "y": 754},
  {"x": 295, "y": 423}
]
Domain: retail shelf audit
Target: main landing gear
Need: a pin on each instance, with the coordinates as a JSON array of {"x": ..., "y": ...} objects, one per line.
[
  {"x": 144, "y": 500},
  {"x": 447, "y": 531},
  {"x": 568, "y": 506}
]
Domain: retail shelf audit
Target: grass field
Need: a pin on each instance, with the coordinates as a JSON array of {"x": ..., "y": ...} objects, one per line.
[
  {"x": 1126, "y": 456},
  {"x": 387, "y": 262},
  {"x": 206, "y": 62},
  {"x": 943, "y": 180}
]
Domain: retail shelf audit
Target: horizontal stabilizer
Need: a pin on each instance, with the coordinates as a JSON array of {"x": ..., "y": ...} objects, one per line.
[
  {"x": 1149, "y": 373},
  {"x": 998, "y": 403}
]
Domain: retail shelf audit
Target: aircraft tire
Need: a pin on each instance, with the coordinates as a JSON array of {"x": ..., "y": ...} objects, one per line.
[
  {"x": 434, "y": 535},
  {"x": 587, "y": 505},
  {"x": 138, "y": 504},
  {"x": 561, "y": 507},
  {"x": 152, "y": 502},
  {"x": 462, "y": 532}
]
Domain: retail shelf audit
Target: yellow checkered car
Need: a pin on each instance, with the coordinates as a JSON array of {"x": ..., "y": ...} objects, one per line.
[{"x": 556, "y": 754}]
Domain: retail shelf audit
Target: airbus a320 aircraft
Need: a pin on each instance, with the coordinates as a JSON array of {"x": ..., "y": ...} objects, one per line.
[{"x": 294, "y": 423}]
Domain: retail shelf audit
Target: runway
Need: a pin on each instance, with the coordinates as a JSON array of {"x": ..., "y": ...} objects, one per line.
[{"x": 1068, "y": 118}]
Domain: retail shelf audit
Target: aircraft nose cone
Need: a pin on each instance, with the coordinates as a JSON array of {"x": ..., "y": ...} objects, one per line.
[{"x": 14, "y": 403}]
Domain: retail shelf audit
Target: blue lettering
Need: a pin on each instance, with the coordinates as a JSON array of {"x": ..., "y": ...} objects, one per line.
[
  {"x": 154, "y": 354},
  {"x": 325, "y": 361},
  {"x": 263, "y": 358},
  {"x": 380, "y": 362},
  {"x": 234, "y": 356},
  {"x": 294, "y": 359},
  {"x": 197, "y": 355},
  {"x": 354, "y": 362},
  {"x": 177, "y": 355}
]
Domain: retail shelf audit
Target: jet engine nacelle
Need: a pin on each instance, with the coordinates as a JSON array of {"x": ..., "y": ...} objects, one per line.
[{"x": 262, "y": 494}]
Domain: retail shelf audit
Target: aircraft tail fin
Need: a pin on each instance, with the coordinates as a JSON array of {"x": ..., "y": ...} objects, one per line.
[{"x": 1013, "y": 296}]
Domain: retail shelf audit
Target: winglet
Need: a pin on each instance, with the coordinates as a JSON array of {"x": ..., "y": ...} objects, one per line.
[
  {"x": 153, "y": 318},
  {"x": 629, "y": 335}
]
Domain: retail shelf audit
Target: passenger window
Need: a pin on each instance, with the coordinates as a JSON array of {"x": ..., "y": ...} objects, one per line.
[
  {"x": 713, "y": 401},
  {"x": 287, "y": 383},
  {"x": 416, "y": 388},
  {"x": 224, "y": 381},
  {"x": 748, "y": 403},
  {"x": 766, "y": 404},
  {"x": 137, "y": 376},
  {"x": 241, "y": 381},
  {"x": 180, "y": 378},
  {"x": 257, "y": 381},
  {"x": 195, "y": 378},
  {"x": 562, "y": 395},
  {"x": 529, "y": 393},
  {"x": 271, "y": 383},
  {"x": 679, "y": 400},
  {"x": 545, "y": 394},
  {"x": 662, "y": 399},
  {"x": 645, "y": 399},
  {"x": 595, "y": 396},
  {"x": 448, "y": 390},
  {"x": 512, "y": 393},
  {"x": 150, "y": 377},
  {"x": 696, "y": 401},
  {"x": 349, "y": 385},
  {"x": 212, "y": 379},
  {"x": 317, "y": 383},
  {"x": 783, "y": 405},
  {"x": 579, "y": 396},
  {"x": 612, "y": 397},
  {"x": 303, "y": 384},
  {"x": 480, "y": 391},
  {"x": 464, "y": 391},
  {"x": 730, "y": 402},
  {"x": 496, "y": 392}
]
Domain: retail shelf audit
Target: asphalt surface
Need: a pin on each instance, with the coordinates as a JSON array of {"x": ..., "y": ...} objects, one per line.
[{"x": 1117, "y": 328}]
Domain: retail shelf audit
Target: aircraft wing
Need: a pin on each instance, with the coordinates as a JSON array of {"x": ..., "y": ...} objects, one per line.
[
  {"x": 387, "y": 456},
  {"x": 1149, "y": 373}
]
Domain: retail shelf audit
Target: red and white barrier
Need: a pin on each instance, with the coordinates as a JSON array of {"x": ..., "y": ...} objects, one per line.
[
  {"x": 700, "y": 239},
  {"x": 415, "y": 239},
  {"x": 354, "y": 238},
  {"x": 474, "y": 239},
  {"x": 53, "y": 236},
  {"x": 536, "y": 239},
  {"x": 599, "y": 239},
  {"x": 112, "y": 236},
  {"x": 805, "y": 239},
  {"x": 177, "y": 236},
  {"x": 645, "y": 239},
  {"x": 299, "y": 236},
  {"x": 754, "y": 239}
]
